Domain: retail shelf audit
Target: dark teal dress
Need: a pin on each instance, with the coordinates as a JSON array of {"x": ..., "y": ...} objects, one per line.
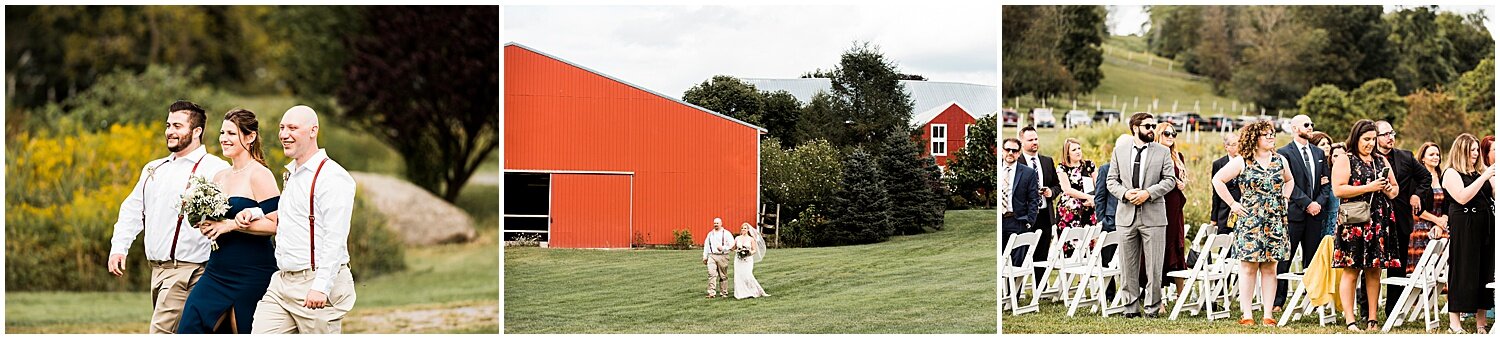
[{"x": 235, "y": 277}]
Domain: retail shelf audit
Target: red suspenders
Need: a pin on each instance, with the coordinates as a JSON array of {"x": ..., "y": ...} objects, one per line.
[
  {"x": 312, "y": 242},
  {"x": 177, "y": 228}
]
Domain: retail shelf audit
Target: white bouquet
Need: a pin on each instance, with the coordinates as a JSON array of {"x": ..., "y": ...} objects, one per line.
[{"x": 204, "y": 201}]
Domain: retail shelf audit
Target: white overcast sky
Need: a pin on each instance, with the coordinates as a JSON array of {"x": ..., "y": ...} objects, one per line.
[
  {"x": 670, "y": 48},
  {"x": 1127, "y": 20}
]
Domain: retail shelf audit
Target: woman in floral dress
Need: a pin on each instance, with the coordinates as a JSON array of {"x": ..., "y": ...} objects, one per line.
[
  {"x": 1260, "y": 239},
  {"x": 1076, "y": 208},
  {"x": 1364, "y": 248}
]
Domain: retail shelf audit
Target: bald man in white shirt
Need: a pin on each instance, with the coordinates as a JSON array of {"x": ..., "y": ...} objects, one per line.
[
  {"x": 312, "y": 290},
  {"x": 716, "y": 247},
  {"x": 174, "y": 248}
]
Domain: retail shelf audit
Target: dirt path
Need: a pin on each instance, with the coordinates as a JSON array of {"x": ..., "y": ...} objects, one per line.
[
  {"x": 485, "y": 178},
  {"x": 445, "y": 318}
]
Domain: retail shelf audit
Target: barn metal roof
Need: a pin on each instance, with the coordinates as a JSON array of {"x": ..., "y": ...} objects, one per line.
[
  {"x": 627, "y": 83},
  {"x": 978, "y": 100}
]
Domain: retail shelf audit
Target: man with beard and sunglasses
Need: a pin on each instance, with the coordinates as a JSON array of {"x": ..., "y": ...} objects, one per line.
[
  {"x": 1310, "y": 196},
  {"x": 1019, "y": 197},
  {"x": 175, "y": 249},
  {"x": 1140, "y": 175}
]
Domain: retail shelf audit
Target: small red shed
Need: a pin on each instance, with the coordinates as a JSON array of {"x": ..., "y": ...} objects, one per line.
[
  {"x": 945, "y": 130},
  {"x": 592, "y": 161}
]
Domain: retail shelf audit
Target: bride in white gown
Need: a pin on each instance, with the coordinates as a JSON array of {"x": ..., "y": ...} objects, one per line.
[{"x": 750, "y": 247}]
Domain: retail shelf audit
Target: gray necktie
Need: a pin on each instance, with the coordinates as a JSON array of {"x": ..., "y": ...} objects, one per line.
[{"x": 1307, "y": 155}]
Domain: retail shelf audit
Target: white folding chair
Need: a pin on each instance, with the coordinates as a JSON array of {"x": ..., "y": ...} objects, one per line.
[
  {"x": 1014, "y": 279},
  {"x": 1096, "y": 276},
  {"x": 1299, "y": 304},
  {"x": 1205, "y": 280},
  {"x": 1052, "y": 285},
  {"x": 1416, "y": 288}
]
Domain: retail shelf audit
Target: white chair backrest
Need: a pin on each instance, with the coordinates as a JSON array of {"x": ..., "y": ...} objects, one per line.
[
  {"x": 1197, "y": 244},
  {"x": 1027, "y": 240},
  {"x": 1075, "y": 236},
  {"x": 1107, "y": 239},
  {"x": 1217, "y": 249},
  {"x": 1433, "y": 265}
]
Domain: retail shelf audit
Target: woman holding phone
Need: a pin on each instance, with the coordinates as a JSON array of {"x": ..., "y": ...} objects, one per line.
[{"x": 1362, "y": 242}]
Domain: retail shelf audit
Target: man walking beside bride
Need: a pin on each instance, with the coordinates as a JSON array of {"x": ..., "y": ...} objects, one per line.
[{"x": 748, "y": 249}]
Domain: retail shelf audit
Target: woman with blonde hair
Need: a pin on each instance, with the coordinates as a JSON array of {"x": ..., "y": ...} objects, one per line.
[
  {"x": 1471, "y": 246},
  {"x": 1076, "y": 208}
]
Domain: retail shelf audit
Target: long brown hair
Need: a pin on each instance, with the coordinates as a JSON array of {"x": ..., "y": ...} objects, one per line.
[
  {"x": 245, "y": 120},
  {"x": 1421, "y": 154}
]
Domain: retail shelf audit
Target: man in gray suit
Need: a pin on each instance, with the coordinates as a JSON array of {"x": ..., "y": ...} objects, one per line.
[{"x": 1140, "y": 174}]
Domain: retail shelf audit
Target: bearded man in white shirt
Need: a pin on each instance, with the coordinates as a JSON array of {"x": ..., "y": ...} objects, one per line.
[
  {"x": 312, "y": 290},
  {"x": 174, "y": 248}
]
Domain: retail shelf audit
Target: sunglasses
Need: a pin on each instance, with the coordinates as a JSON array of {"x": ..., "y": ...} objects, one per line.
[
  {"x": 1151, "y": 125},
  {"x": 1012, "y": 150},
  {"x": 1172, "y": 134},
  {"x": 1308, "y": 125}
]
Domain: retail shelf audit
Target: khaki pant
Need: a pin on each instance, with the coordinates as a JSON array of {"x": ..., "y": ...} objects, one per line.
[
  {"x": 170, "y": 285},
  {"x": 718, "y": 272},
  {"x": 280, "y": 311}
]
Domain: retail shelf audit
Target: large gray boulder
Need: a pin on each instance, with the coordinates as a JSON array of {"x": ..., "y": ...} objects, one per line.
[{"x": 415, "y": 215}]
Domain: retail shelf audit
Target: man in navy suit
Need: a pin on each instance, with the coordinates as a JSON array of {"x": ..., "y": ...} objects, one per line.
[
  {"x": 1305, "y": 214},
  {"x": 1220, "y": 212},
  {"x": 1019, "y": 196},
  {"x": 1049, "y": 187}
]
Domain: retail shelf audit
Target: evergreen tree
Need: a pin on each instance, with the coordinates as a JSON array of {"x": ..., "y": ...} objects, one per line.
[
  {"x": 903, "y": 168},
  {"x": 861, "y": 211}
]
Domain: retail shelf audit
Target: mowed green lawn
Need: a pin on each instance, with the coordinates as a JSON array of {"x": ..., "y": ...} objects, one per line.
[{"x": 941, "y": 282}]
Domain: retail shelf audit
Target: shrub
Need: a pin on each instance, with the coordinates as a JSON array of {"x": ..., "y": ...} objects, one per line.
[
  {"x": 800, "y": 231},
  {"x": 682, "y": 239}
]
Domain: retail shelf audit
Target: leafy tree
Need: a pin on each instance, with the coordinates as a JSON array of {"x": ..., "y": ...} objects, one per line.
[
  {"x": 867, "y": 92},
  {"x": 1276, "y": 68},
  {"x": 779, "y": 114},
  {"x": 1425, "y": 56},
  {"x": 1442, "y": 118},
  {"x": 908, "y": 184},
  {"x": 860, "y": 212},
  {"x": 1476, "y": 88},
  {"x": 971, "y": 173},
  {"x": 1330, "y": 107},
  {"x": 729, "y": 96},
  {"x": 1081, "y": 45},
  {"x": 318, "y": 35},
  {"x": 423, "y": 79},
  {"x": 1357, "y": 49},
  {"x": 1033, "y": 65},
  {"x": 1471, "y": 41},
  {"x": 799, "y": 177},
  {"x": 1377, "y": 100},
  {"x": 1217, "y": 54},
  {"x": 1174, "y": 29},
  {"x": 819, "y": 120}
]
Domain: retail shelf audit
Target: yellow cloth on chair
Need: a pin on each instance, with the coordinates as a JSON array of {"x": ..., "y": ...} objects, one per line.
[{"x": 1321, "y": 278}]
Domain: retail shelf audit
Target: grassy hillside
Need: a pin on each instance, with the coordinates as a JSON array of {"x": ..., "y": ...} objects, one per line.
[
  {"x": 1129, "y": 74},
  {"x": 940, "y": 282}
]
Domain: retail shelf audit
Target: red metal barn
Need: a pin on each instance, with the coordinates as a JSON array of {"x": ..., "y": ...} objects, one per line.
[
  {"x": 592, "y": 161},
  {"x": 945, "y": 130}
]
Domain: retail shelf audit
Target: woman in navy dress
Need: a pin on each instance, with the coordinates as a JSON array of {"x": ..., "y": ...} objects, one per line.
[{"x": 239, "y": 271}]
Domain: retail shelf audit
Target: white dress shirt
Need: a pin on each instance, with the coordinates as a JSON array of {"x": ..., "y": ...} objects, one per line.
[
  {"x": 163, "y": 182},
  {"x": 335, "y": 206},
  {"x": 717, "y": 242}
]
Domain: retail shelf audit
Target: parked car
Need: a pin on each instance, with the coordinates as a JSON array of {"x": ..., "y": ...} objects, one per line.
[
  {"x": 1171, "y": 118},
  {"x": 1194, "y": 121},
  {"x": 1107, "y": 116},
  {"x": 1075, "y": 118},
  {"x": 1012, "y": 119},
  {"x": 1043, "y": 118},
  {"x": 1219, "y": 123},
  {"x": 1244, "y": 120}
]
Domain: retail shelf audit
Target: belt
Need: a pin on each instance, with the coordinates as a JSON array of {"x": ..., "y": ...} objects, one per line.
[
  {"x": 172, "y": 263},
  {"x": 1473, "y": 210},
  {"x": 307, "y": 271},
  {"x": 1009, "y": 214}
]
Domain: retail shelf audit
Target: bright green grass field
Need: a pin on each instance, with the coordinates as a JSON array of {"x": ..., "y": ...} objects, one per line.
[
  {"x": 1126, "y": 79},
  {"x": 1053, "y": 319},
  {"x": 942, "y": 282}
]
